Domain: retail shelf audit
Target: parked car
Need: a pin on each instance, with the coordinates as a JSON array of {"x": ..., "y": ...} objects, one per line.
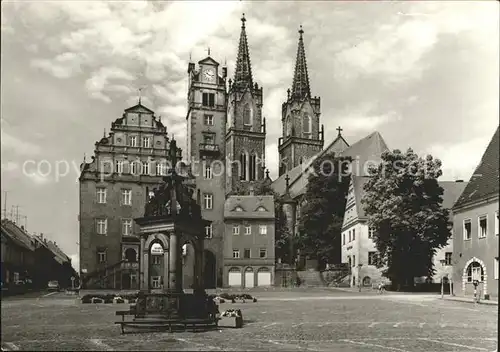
[{"x": 53, "y": 286}]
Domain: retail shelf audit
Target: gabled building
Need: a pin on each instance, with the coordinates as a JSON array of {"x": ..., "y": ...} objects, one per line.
[
  {"x": 249, "y": 241},
  {"x": 18, "y": 254},
  {"x": 358, "y": 248},
  {"x": 475, "y": 228}
]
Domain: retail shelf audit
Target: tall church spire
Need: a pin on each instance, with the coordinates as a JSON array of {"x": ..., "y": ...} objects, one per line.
[
  {"x": 243, "y": 71},
  {"x": 300, "y": 87}
]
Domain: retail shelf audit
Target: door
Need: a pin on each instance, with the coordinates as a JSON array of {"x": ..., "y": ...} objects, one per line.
[
  {"x": 234, "y": 279},
  {"x": 264, "y": 278},
  {"x": 249, "y": 278}
]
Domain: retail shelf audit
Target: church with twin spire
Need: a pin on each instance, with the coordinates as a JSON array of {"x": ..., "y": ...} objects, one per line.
[{"x": 225, "y": 155}]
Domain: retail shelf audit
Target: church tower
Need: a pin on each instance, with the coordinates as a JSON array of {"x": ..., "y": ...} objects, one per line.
[
  {"x": 206, "y": 133},
  {"x": 302, "y": 137},
  {"x": 245, "y": 130}
]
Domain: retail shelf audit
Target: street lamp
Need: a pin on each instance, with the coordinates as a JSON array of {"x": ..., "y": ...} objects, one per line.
[{"x": 359, "y": 276}]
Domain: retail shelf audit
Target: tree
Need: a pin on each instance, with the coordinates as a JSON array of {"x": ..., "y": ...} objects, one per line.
[
  {"x": 403, "y": 203},
  {"x": 323, "y": 210}
]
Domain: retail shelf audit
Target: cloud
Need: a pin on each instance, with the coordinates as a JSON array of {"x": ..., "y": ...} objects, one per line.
[
  {"x": 365, "y": 117},
  {"x": 18, "y": 146},
  {"x": 64, "y": 66},
  {"x": 100, "y": 79}
]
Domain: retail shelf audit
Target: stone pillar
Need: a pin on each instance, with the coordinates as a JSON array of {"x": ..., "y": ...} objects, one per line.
[
  {"x": 198, "y": 267},
  {"x": 166, "y": 266},
  {"x": 175, "y": 264},
  {"x": 142, "y": 266}
]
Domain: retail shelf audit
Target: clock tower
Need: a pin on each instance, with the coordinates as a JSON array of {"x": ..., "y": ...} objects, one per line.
[{"x": 206, "y": 123}]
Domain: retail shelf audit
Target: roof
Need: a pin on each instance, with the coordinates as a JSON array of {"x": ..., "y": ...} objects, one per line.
[
  {"x": 139, "y": 108},
  {"x": 451, "y": 191},
  {"x": 484, "y": 181},
  {"x": 208, "y": 60},
  {"x": 17, "y": 235},
  {"x": 249, "y": 207},
  {"x": 366, "y": 151}
]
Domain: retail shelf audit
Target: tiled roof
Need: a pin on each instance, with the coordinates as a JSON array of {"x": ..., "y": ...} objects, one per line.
[
  {"x": 17, "y": 234},
  {"x": 451, "y": 192},
  {"x": 484, "y": 181},
  {"x": 250, "y": 207},
  {"x": 364, "y": 151}
]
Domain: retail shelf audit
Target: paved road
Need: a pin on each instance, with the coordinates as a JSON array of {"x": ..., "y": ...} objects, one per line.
[{"x": 315, "y": 320}]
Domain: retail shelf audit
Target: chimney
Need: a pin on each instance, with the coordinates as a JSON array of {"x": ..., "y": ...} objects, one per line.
[{"x": 459, "y": 181}]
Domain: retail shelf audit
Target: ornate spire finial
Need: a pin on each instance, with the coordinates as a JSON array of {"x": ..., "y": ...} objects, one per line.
[
  {"x": 300, "y": 86},
  {"x": 243, "y": 20},
  {"x": 287, "y": 180},
  {"x": 190, "y": 56},
  {"x": 104, "y": 134},
  {"x": 84, "y": 157},
  {"x": 339, "y": 129},
  {"x": 243, "y": 70},
  {"x": 208, "y": 50},
  {"x": 267, "y": 173}
]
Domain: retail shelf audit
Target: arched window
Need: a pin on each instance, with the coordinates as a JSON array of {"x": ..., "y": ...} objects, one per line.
[
  {"x": 306, "y": 124},
  {"x": 475, "y": 272},
  {"x": 288, "y": 126},
  {"x": 247, "y": 115},
  {"x": 253, "y": 167},
  {"x": 367, "y": 281},
  {"x": 243, "y": 166}
]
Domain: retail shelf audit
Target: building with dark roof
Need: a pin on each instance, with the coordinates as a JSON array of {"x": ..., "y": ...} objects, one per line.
[
  {"x": 358, "y": 246},
  {"x": 249, "y": 241},
  {"x": 475, "y": 228}
]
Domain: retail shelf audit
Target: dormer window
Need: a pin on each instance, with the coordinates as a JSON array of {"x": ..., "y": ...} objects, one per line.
[
  {"x": 261, "y": 208},
  {"x": 238, "y": 208}
]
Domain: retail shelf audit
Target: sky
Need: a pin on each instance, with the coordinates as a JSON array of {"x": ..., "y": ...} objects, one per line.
[{"x": 423, "y": 74}]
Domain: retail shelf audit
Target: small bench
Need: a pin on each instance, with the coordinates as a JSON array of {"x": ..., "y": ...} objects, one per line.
[{"x": 160, "y": 322}]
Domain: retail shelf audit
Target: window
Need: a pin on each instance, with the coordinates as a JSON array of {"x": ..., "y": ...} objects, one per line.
[
  {"x": 247, "y": 115},
  {"x": 102, "y": 226},
  {"x": 243, "y": 166},
  {"x": 119, "y": 166},
  {"x": 306, "y": 124},
  {"x": 372, "y": 258},
  {"x": 253, "y": 167},
  {"x": 236, "y": 253},
  {"x": 209, "y": 120},
  {"x": 101, "y": 256},
  {"x": 246, "y": 253},
  {"x": 145, "y": 168},
  {"x": 467, "y": 229},
  {"x": 133, "y": 167},
  {"x": 370, "y": 232},
  {"x": 156, "y": 259},
  {"x": 350, "y": 236},
  {"x": 146, "y": 142},
  {"x": 208, "y": 138},
  {"x": 208, "y": 172},
  {"x": 126, "y": 197},
  {"x": 343, "y": 238},
  {"x": 263, "y": 253},
  {"x": 248, "y": 230},
  {"x": 133, "y": 141},
  {"x": 236, "y": 230},
  {"x": 208, "y": 231},
  {"x": 496, "y": 223},
  {"x": 261, "y": 208},
  {"x": 475, "y": 272},
  {"x": 263, "y": 229},
  {"x": 353, "y": 260},
  {"x": 354, "y": 234},
  {"x": 101, "y": 195},
  {"x": 208, "y": 99},
  {"x": 155, "y": 281},
  {"x": 127, "y": 227},
  {"x": 161, "y": 168},
  {"x": 208, "y": 200},
  {"x": 447, "y": 258},
  {"x": 495, "y": 269},
  {"x": 483, "y": 226}
]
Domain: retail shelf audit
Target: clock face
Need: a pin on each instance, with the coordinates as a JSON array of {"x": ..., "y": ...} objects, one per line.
[{"x": 209, "y": 75}]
